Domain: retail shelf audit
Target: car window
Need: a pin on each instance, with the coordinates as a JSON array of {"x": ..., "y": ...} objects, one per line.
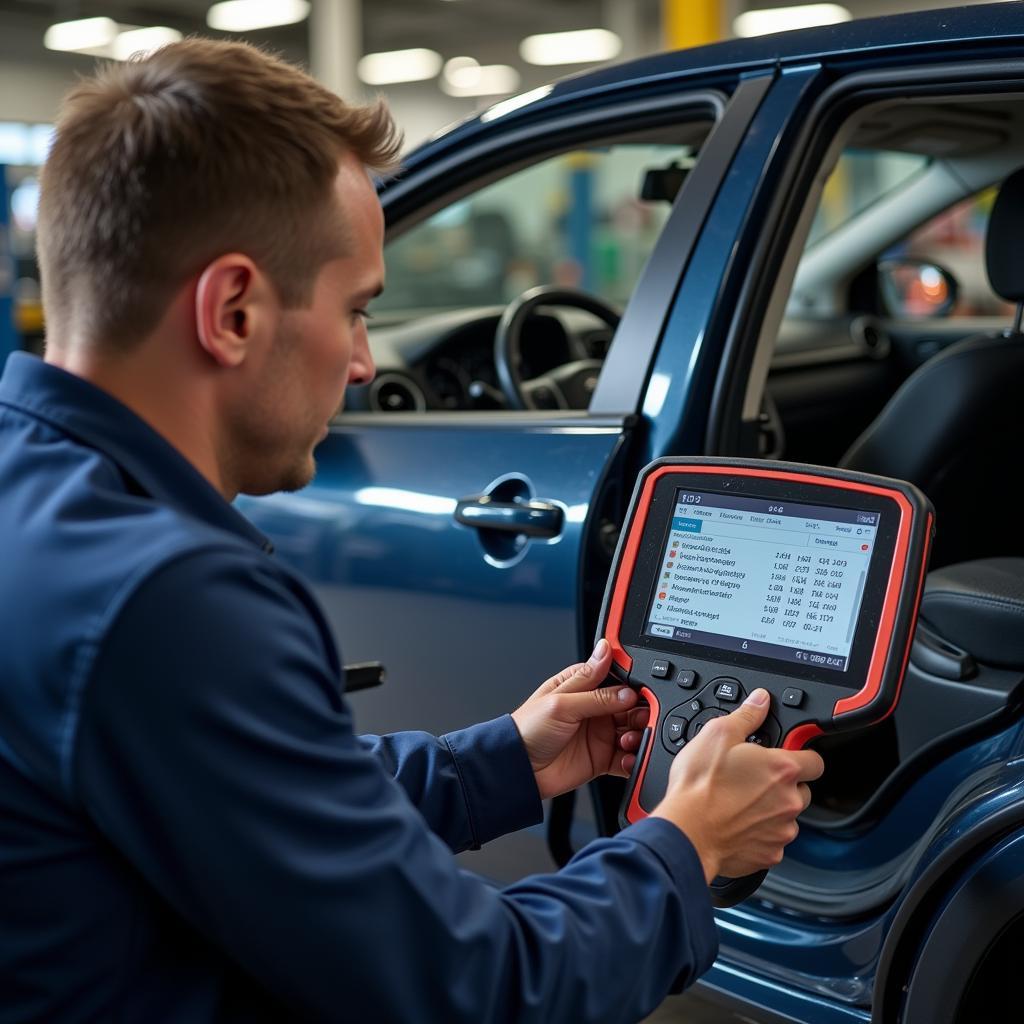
[
  {"x": 955, "y": 241},
  {"x": 575, "y": 220},
  {"x": 892, "y": 235},
  {"x": 860, "y": 178}
]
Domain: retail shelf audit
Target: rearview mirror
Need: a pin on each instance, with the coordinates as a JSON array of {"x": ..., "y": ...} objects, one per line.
[
  {"x": 915, "y": 288},
  {"x": 663, "y": 183}
]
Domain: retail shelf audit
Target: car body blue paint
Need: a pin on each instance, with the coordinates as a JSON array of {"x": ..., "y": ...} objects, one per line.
[
  {"x": 839, "y": 959},
  {"x": 376, "y": 533}
]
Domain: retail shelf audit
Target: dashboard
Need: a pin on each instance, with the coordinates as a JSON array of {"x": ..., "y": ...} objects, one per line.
[{"x": 445, "y": 361}]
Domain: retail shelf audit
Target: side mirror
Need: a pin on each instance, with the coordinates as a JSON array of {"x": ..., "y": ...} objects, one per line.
[{"x": 916, "y": 288}]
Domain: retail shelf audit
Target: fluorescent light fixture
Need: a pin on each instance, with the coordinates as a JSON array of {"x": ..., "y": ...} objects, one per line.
[
  {"x": 477, "y": 80},
  {"x": 247, "y": 15},
  {"x": 456, "y": 64},
  {"x": 784, "y": 19},
  {"x": 143, "y": 40},
  {"x": 515, "y": 103},
  {"x": 81, "y": 35},
  {"x": 580, "y": 47},
  {"x": 415, "y": 65}
]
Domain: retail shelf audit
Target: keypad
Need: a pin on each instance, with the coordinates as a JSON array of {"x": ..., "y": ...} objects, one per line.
[{"x": 715, "y": 698}]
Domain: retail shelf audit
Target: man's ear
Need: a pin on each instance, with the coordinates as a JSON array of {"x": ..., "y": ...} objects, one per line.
[{"x": 234, "y": 306}]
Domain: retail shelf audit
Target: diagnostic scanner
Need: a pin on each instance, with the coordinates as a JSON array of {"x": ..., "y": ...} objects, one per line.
[{"x": 734, "y": 574}]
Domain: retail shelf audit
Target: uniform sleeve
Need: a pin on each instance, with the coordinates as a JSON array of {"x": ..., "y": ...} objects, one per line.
[
  {"x": 471, "y": 785},
  {"x": 216, "y": 753}
]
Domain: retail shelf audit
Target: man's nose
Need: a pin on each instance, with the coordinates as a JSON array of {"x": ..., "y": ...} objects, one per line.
[{"x": 361, "y": 369}]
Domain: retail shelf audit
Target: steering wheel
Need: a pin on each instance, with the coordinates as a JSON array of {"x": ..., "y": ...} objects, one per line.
[{"x": 566, "y": 387}]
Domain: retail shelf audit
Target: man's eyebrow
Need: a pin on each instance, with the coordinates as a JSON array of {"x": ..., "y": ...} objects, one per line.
[{"x": 370, "y": 293}]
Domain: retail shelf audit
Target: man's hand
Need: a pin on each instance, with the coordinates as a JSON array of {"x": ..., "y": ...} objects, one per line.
[
  {"x": 738, "y": 802},
  {"x": 573, "y": 731}
]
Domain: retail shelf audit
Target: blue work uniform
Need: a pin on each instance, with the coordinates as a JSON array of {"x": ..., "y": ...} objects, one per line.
[{"x": 190, "y": 829}]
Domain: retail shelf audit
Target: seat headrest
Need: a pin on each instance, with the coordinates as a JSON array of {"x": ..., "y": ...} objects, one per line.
[{"x": 1003, "y": 255}]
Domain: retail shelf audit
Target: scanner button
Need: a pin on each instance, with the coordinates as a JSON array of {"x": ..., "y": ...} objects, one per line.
[
  {"x": 673, "y": 733},
  {"x": 728, "y": 690},
  {"x": 686, "y": 678},
  {"x": 695, "y": 706},
  {"x": 792, "y": 697},
  {"x": 661, "y": 669},
  {"x": 702, "y": 719}
]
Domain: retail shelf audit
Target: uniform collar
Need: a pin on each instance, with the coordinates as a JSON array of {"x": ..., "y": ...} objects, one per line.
[{"x": 100, "y": 421}]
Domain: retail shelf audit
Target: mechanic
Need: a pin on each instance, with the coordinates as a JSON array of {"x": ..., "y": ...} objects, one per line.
[{"x": 190, "y": 830}]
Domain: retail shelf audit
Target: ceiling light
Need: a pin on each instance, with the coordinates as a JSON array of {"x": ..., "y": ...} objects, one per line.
[
  {"x": 246, "y": 15},
  {"x": 399, "y": 66},
  {"x": 581, "y": 47},
  {"x": 84, "y": 34},
  {"x": 456, "y": 64},
  {"x": 784, "y": 19},
  {"x": 143, "y": 40},
  {"x": 485, "y": 80}
]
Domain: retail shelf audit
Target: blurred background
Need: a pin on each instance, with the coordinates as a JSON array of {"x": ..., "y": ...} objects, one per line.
[{"x": 436, "y": 61}]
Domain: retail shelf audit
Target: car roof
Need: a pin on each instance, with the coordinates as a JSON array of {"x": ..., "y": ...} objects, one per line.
[
  {"x": 919, "y": 30},
  {"x": 964, "y": 29}
]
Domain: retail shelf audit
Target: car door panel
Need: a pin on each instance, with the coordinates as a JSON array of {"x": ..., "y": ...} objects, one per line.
[{"x": 398, "y": 575}]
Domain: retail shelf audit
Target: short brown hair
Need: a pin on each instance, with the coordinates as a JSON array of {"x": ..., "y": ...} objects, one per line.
[{"x": 164, "y": 162}]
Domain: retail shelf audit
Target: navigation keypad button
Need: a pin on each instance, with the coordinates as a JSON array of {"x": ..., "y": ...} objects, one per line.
[
  {"x": 792, "y": 697},
  {"x": 695, "y": 706},
  {"x": 686, "y": 678},
  {"x": 661, "y": 669},
  {"x": 727, "y": 690},
  {"x": 770, "y": 733},
  {"x": 673, "y": 733},
  {"x": 702, "y": 719}
]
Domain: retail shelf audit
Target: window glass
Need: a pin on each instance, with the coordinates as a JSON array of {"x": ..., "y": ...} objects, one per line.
[
  {"x": 955, "y": 240},
  {"x": 861, "y": 178},
  {"x": 575, "y": 220},
  {"x": 952, "y": 240}
]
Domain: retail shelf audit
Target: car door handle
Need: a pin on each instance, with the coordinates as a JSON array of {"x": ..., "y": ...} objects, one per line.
[{"x": 531, "y": 518}]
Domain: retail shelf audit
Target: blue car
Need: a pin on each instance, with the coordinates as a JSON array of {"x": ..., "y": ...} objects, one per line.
[{"x": 801, "y": 246}]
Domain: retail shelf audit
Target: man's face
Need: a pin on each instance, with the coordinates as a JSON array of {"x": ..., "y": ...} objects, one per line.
[{"x": 299, "y": 384}]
